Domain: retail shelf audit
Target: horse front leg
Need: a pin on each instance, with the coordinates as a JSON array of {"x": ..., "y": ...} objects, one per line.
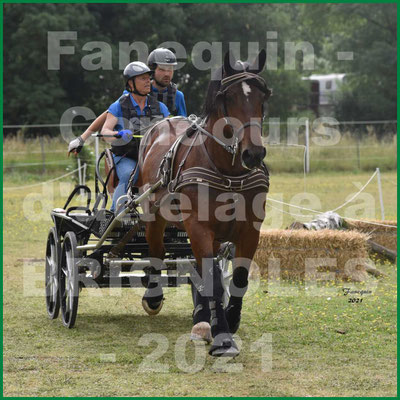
[
  {"x": 211, "y": 290},
  {"x": 153, "y": 297},
  {"x": 201, "y": 330},
  {"x": 238, "y": 286}
]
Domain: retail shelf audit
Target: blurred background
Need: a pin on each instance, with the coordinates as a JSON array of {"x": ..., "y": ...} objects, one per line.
[{"x": 360, "y": 92}]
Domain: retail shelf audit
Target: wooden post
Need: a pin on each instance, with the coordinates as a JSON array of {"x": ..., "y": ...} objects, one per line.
[
  {"x": 307, "y": 161},
  {"x": 43, "y": 154},
  {"x": 380, "y": 194}
]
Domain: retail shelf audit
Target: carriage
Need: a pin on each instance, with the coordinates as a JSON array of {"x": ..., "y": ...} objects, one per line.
[{"x": 91, "y": 247}]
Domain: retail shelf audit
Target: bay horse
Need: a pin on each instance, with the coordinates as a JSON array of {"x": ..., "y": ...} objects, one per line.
[{"x": 225, "y": 152}]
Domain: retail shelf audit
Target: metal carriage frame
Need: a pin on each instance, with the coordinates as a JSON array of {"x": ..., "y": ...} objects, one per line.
[{"x": 94, "y": 248}]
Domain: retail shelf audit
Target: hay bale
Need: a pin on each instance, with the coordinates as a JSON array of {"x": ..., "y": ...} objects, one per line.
[
  {"x": 383, "y": 235},
  {"x": 296, "y": 254}
]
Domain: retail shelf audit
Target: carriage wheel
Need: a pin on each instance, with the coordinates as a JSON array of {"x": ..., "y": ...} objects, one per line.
[
  {"x": 53, "y": 250},
  {"x": 69, "y": 280}
]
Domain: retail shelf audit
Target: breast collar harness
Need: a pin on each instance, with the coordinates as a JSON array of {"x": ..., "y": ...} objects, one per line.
[{"x": 226, "y": 83}]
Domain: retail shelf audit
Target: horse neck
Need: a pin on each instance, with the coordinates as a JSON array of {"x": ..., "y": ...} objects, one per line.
[{"x": 220, "y": 157}]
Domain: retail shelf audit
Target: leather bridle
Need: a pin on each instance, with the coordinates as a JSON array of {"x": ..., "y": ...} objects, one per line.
[{"x": 227, "y": 83}]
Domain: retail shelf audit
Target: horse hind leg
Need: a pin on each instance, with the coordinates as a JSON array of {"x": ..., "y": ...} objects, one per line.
[{"x": 153, "y": 297}]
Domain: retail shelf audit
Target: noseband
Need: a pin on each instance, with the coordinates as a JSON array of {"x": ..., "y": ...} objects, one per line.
[{"x": 227, "y": 83}]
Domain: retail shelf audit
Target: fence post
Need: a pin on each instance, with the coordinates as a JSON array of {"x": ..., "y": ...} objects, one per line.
[
  {"x": 358, "y": 152},
  {"x": 43, "y": 154},
  {"x": 378, "y": 174},
  {"x": 307, "y": 146}
]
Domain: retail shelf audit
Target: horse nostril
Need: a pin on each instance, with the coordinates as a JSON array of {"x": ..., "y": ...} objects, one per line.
[
  {"x": 253, "y": 157},
  {"x": 245, "y": 154}
]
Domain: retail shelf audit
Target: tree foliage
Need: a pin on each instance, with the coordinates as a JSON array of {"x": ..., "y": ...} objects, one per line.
[{"x": 35, "y": 94}]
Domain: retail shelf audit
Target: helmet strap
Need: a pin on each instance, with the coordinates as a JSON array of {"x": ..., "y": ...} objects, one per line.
[{"x": 135, "y": 91}]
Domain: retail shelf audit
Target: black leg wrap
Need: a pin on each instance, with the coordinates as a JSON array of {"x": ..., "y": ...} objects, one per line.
[
  {"x": 218, "y": 321},
  {"x": 201, "y": 310},
  {"x": 223, "y": 344},
  {"x": 237, "y": 289},
  {"x": 154, "y": 292},
  {"x": 233, "y": 315}
]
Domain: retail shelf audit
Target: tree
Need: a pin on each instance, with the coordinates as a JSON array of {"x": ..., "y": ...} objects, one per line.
[{"x": 369, "y": 32}]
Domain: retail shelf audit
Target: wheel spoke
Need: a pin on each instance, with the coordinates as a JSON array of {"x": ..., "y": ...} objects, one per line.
[
  {"x": 67, "y": 305},
  {"x": 71, "y": 301},
  {"x": 54, "y": 289},
  {"x": 49, "y": 261}
]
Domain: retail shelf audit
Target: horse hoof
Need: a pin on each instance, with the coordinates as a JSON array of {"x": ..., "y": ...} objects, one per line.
[
  {"x": 223, "y": 351},
  {"x": 201, "y": 332},
  {"x": 223, "y": 347},
  {"x": 150, "y": 310}
]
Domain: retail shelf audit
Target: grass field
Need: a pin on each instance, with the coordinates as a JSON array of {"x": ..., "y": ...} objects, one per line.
[
  {"x": 321, "y": 345},
  {"x": 23, "y": 158}
]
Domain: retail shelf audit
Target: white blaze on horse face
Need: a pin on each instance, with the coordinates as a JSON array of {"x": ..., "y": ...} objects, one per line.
[{"x": 246, "y": 90}]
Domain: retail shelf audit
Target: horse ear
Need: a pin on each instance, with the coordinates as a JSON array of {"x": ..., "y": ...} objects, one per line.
[
  {"x": 258, "y": 63},
  {"x": 229, "y": 62}
]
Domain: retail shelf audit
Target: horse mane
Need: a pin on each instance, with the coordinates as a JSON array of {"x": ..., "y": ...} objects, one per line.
[{"x": 210, "y": 105}]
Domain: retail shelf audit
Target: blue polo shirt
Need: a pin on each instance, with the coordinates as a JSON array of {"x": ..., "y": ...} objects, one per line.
[
  {"x": 179, "y": 101},
  {"x": 115, "y": 109}
]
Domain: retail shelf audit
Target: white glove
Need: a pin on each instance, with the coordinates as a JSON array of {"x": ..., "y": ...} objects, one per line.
[{"x": 76, "y": 145}]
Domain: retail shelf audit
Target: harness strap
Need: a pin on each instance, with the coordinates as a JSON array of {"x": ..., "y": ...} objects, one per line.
[
  {"x": 193, "y": 119},
  {"x": 182, "y": 163},
  {"x": 258, "y": 177},
  {"x": 203, "y": 176}
]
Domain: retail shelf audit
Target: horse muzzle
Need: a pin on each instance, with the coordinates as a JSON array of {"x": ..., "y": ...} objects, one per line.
[{"x": 253, "y": 157}]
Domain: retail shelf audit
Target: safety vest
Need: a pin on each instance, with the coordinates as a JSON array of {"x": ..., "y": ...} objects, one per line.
[
  {"x": 136, "y": 123},
  {"x": 167, "y": 97}
]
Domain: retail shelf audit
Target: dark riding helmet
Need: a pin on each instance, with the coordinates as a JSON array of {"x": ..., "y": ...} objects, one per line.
[
  {"x": 132, "y": 70},
  {"x": 161, "y": 56}
]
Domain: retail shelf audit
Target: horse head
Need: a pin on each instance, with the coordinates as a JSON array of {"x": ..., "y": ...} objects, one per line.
[{"x": 240, "y": 100}]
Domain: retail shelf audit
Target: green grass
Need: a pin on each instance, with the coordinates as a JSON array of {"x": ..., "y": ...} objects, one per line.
[
  {"x": 346, "y": 155},
  {"x": 327, "y": 191},
  {"x": 309, "y": 356},
  {"x": 343, "y": 156}
]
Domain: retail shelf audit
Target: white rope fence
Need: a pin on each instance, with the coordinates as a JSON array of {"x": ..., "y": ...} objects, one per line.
[
  {"x": 334, "y": 210},
  {"x": 353, "y": 197},
  {"x": 45, "y": 182},
  {"x": 83, "y": 167}
]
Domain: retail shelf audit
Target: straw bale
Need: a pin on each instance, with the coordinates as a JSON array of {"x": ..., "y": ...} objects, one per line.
[
  {"x": 382, "y": 235},
  {"x": 294, "y": 249}
]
